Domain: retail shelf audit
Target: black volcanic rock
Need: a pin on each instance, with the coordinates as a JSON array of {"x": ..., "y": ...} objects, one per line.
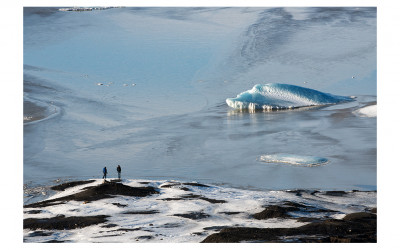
[
  {"x": 282, "y": 210},
  {"x": 193, "y": 215},
  {"x": 335, "y": 193},
  {"x": 357, "y": 227},
  {"x": 194, "y": 196},
  {"x": 274, "y": 212},
  {"x": 195, "y": 184},
  {"x": 142, "y": 212},
  {"x": 361, "y": 216},
  {"x": 63, "y": 223},
  {"x": 33, "y": 212}
]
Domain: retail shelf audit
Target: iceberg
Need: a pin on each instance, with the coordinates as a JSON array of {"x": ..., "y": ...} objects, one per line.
[
  {"x": 276, "y": 96},
  {"x": 306, "y": 161}
]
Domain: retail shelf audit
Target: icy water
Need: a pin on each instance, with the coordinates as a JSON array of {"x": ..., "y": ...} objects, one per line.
[{"x": 145, "y": 88}]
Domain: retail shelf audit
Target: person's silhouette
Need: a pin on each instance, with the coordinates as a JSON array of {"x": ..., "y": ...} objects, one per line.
[
  {"x": 104, "y": 173},
  {"x": 119, "y": 172}
]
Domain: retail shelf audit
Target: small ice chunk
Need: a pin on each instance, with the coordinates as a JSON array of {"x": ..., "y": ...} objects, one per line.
[
  {"x": 368, "y": 111},
  {"x": 306, "y": 161}
]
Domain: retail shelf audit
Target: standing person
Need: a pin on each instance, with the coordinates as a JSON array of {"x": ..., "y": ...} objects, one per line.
[
  {"x": 119, "y": 172},
  {"x": 104, "y": 173}
]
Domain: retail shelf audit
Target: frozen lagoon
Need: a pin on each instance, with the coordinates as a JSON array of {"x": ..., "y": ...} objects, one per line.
[{"x": 174, "y": 124}]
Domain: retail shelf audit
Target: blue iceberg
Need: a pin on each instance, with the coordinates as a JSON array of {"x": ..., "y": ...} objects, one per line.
[{"x": 275, "y": 96}]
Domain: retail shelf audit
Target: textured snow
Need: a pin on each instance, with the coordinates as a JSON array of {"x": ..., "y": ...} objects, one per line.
[{"x": 166, "y": 226}]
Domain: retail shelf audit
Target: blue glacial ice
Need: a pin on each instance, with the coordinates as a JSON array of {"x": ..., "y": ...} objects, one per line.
[
  {"x": 275, "y": 96},
  {"x": 305, "y": 161}
]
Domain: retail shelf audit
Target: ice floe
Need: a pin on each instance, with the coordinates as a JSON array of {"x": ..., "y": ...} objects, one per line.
[{"x": 307, "y": 161}]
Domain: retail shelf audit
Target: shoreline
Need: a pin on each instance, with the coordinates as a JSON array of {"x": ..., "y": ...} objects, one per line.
[
  {"x": 171, "y": 211},
  {"x": 36, "y": 192},
  {"x": 36, "y": 111},
  {"x": 33, "y": 112}
]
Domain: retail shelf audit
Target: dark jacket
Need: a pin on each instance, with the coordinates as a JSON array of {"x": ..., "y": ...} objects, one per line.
[{"x": 104, "y": 170}]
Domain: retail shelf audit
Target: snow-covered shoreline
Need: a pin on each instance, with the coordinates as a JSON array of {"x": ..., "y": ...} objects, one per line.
[{"x": 181, "y": 212}]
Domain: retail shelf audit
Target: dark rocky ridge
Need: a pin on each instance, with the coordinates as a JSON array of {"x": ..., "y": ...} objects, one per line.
[
  {"x": 356, "y": 227},
  {"x": 282, "y": 211},
  {"x": 102, "y": 191},
  {"x": 274, "y": 212}
]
